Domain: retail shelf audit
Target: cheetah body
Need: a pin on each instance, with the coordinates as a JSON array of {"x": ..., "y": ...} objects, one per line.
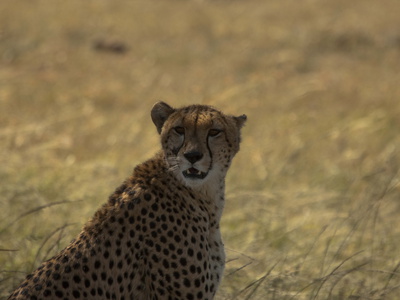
[{"x": 158, "y": 235}]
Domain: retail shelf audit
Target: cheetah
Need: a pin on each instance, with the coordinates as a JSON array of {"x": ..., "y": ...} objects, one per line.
[{"x": 158, "y": 235}]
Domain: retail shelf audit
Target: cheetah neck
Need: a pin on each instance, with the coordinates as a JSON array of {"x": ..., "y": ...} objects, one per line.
[{"x": 212, "y": 190}]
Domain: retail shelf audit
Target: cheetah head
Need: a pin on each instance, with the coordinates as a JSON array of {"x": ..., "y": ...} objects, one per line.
[{"x": 198, "y": 141}]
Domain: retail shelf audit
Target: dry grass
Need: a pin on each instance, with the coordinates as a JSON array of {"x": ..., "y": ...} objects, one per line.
[{"x": 313, "y": 197}]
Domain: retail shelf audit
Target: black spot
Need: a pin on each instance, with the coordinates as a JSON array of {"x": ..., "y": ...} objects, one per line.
[
  {"x": 165, "y": 263},
  {"x": 65, "y": 284},
  {"x": 76, "y": 279},
  {"x": 197, "y": 283},
  {"x": 147, "y": 196},
  {"x": 130, "y": 205},
  {"x": 120, "y": 264},
  {"x": 24, "y": 285},
  {"x": 186, "y": 282},
  {"x": 59, "y": 294},
  {"x": 183, "y": 261},
  {"x": 97, "y": 264},
  {"x": 192, "y": 269},
  {"x": 161, "y": 291},
  {"x": 189, "y": 296},
  {"x": 56, "y": 276},
  {"x": 25, "y": 292},
  {"x": 103, "y": 276},
  {"x": 110, "y": 281},
  {"x": 154, "y": 206},
  {"x": 76, "y": 294},
  {"x": 119, "y": 279}
]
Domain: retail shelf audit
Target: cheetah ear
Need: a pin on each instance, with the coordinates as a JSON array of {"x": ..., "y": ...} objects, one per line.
[
  {"x": 160, "y": 113},
  {"x": 240, "y": 120}
]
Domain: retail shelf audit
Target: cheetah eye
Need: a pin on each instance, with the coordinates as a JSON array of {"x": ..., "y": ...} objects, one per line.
[
  {"x": 214, "y": 132},
  {"x": 179, "y": 130}
]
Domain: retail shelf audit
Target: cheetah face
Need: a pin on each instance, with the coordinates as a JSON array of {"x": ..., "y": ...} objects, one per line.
[{"x": 198, "y": 141}]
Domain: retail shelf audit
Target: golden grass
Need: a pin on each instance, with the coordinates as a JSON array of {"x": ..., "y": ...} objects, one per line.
[{"x": 313, "y": 196}]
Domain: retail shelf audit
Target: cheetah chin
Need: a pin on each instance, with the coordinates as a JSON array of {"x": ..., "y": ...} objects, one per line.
[{"x": 193, "y": 173}]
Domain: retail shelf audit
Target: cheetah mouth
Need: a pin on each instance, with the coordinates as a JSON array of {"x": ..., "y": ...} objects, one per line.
[{"x": 193, "y": 173}]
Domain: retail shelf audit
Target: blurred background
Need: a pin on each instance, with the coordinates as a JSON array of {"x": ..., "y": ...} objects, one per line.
[{"x": 313, "y": 197}]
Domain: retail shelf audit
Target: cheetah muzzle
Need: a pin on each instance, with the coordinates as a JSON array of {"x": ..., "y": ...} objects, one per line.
[{"x": 158, "y": 235}]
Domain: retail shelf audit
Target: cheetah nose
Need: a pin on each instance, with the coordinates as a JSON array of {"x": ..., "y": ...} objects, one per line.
[{"x": 193, "y": 156}]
